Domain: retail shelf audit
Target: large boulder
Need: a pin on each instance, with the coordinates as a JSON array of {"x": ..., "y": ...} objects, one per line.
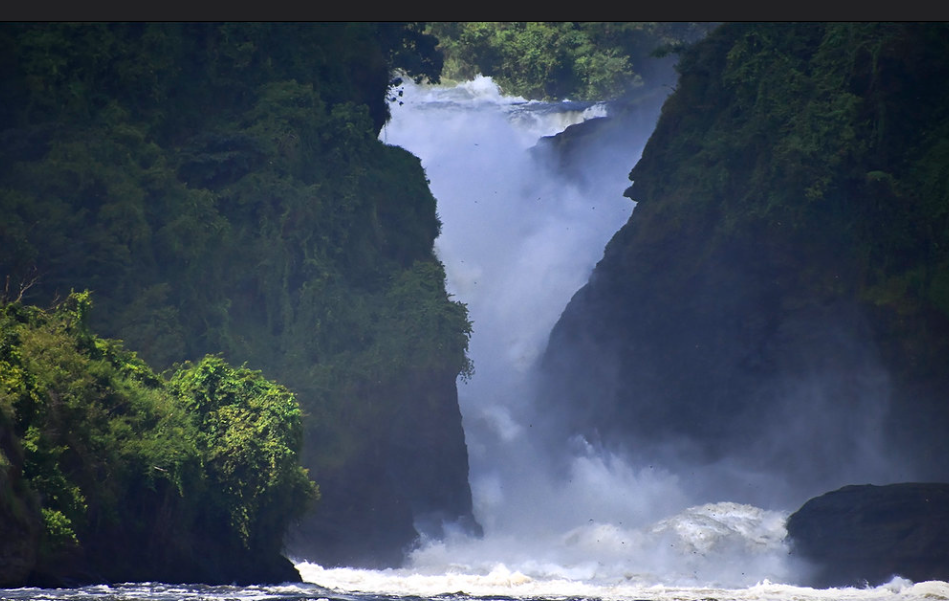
[{"x": 869, "y": 534}]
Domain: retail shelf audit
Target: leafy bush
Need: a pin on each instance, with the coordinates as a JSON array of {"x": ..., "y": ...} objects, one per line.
[{"x": 106, "y": 442}]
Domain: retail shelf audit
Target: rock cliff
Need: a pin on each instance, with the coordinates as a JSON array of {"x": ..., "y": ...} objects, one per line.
[
  {"x": 777, "y": 303},
  {"x": 860, "y": 535}
]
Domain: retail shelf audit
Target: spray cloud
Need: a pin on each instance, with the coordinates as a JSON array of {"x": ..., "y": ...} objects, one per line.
[{"x": 517, "y": 242}]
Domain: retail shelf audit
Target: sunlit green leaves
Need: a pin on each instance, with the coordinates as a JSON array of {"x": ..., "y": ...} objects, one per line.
[
  {"x": 222, "y": 189},
  {"x": 250, "y": 432},
  {"x": 103, "y": 437},
  {"x": 557, "y": 60}
]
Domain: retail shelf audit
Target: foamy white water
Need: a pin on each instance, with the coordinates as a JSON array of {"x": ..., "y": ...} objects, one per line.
[
  {"x": 355, "y": 585},
  {"x": 501, "y": 582},
  {"x": 517, "y": 242}
]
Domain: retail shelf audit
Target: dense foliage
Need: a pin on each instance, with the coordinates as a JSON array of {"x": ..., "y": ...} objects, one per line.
[
  {"x": 128, "y": 473},
  {"x": 222, "y": 190},
  {"x": 829, "y": 133},
  {"x": 779, "y": 295},
  {"x": 556, "y": 60}
]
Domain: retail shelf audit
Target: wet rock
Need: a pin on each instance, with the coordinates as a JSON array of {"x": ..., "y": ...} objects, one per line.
[{"x": 867, "y": 534}]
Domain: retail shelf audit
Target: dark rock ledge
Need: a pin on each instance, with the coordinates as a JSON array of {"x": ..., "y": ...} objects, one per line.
[{"x": 866, "y": 534}]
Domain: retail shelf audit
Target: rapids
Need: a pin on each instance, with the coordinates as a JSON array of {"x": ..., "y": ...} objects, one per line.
[{"x": 384, "y": 587}]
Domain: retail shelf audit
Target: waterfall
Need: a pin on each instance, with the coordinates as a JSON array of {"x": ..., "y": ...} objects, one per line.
[{"x": 518, "y": 240}]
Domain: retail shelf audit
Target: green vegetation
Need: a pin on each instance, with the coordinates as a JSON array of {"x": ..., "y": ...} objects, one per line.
[
  {"x": 556, "y": 60},
  {"x": 826, "y": 134},
  {"x": 129, "y": 471},
  {"x": 781, "y": 284},
  {"x": 249, "y": 434},
  {"x": 221, "y": 190}
]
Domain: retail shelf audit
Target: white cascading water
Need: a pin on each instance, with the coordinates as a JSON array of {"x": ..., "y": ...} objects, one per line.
[{"x": 517, "y": 242}]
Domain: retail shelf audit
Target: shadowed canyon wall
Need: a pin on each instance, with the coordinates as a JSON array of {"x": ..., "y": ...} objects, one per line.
[{"x": 775, "y": 312}]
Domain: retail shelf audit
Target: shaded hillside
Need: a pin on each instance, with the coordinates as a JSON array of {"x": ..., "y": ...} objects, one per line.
[
  {"x": 221, "y": 189},
  {"x": 778, "y": 303},
  {"x": 111, "y": 473}
]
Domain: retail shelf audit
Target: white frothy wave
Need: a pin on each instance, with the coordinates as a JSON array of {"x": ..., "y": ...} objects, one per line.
[
  {"x": 721, "y": 544},
  {"x": 502, "y": 582}
]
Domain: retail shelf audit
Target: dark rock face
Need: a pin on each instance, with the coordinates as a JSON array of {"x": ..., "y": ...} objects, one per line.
[
  {"x": 410, "y": 479},
  {"x": 869, "y": 534},
  {"x": 734, "y": 324},
  {"x": 206, "y": 563},
  {"x": 698, "y": 362},
  {"x": 20, "y": 519}
]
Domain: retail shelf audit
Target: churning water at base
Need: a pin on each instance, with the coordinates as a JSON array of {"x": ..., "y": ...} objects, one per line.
[
  {"x": 518, "y": 240},
  {"x": 384, "y": 586}
]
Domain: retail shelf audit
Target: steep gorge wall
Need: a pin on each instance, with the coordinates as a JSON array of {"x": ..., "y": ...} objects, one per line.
[
  {"x": 220, "y": 189},
  {"x": 777, "y": 301}
]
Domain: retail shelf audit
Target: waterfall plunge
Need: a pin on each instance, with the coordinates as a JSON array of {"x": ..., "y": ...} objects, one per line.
[{"x": 517, "y": 242}]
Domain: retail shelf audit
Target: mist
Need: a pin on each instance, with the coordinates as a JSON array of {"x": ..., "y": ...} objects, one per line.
[{"x": 521, "y": 233}]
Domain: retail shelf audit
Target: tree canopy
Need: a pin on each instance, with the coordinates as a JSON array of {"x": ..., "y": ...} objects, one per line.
[
  {"x": 221, "y": 190},
  {"x": 122, "y": 469},
  {"x": 545, "y": 60}
]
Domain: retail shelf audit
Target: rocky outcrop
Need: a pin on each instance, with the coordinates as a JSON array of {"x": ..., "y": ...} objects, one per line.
[
  {"x": 758, "y": 312},
  {"x": 868, "y": 534},
  {"x": 410, "y": 480}
]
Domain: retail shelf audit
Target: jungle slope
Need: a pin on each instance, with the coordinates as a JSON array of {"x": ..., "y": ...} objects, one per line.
[
  {"x": 112, "y": 473},
  {"x": 221, "y": 190},
  {"x": 777, "y": 306}
]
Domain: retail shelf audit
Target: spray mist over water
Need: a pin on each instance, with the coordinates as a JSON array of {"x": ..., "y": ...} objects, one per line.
[{"x": 517, "y": 242}]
